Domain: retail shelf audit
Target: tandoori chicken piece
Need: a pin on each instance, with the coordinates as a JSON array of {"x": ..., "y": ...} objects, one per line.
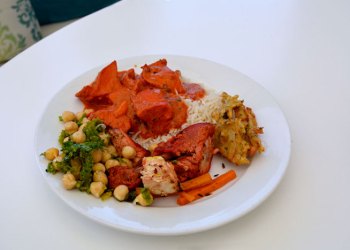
[
  {"x": 96, "y": 94},
  {"x": 158, "y": 112},
  {"x": 194, "y": 91},
  {"x": 120, "y": 113},
  {"x": 190, "y": 151},
  {"x": 152, "y": 107},
  {"x": 133, "y": 81},
  {"x": 159, "y": 75},
  {"x": 123, "y": 175}
]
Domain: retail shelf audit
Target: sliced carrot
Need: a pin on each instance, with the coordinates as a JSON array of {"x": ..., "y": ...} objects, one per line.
[
  {"x": 181, "y": 200},
  {"x": 217, "y": 183},
  {"x": 197, "y": 182},
  {"x": 187, "y": 196},
  {"x": 195, "y": 194}
]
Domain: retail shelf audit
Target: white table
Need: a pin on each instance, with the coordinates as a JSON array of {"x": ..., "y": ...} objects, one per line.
[{"x": 298, "y": 50}]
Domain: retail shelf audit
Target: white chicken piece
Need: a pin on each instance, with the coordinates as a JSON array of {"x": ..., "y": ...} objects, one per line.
[{"x": 159, "y": 176}]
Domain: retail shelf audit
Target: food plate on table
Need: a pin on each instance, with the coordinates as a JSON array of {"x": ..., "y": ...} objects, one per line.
[{"x": 253, "y": 184}]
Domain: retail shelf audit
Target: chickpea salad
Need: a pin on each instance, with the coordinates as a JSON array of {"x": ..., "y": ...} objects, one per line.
[{"x": 86, "y": 154}]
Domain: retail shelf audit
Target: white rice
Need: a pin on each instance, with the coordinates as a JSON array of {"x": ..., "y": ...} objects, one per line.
[{"x": 198, "y": 111}]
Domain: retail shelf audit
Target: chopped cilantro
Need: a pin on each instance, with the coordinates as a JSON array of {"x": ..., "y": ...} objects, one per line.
[
  {"x": 63, "y": 135},
  {"x": 92, "y": 129},
  {"x": 80, "y": 121},
  {"x": 51, "y": 169},
  {"x": 132, "y": 195},
  {"x": 77, "y": 157}
]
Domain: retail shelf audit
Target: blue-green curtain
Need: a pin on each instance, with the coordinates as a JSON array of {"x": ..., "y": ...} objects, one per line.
[{"x": 51, "y": 11}]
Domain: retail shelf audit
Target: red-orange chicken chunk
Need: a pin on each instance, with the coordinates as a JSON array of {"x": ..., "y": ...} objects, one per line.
[
  {"x": 151, "y": 106},
  {"x": 159, "y": 75},
  {"x": 96, "y": 95},
  {"x": 191, "y": 150}
]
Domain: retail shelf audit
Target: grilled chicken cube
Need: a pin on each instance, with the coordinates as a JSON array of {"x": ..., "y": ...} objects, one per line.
[{"x": 159, "y": 176}]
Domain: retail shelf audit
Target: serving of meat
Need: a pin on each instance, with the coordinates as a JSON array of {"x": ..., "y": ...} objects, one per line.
[
  {"x": 159, "y": 176},
  {"x": 123, "y": 175},
  {"x": 159, "y": 75},
  {"x": 96, "y": 95},
  {"x": 191, "y": 150},
  {"x": 158, "y": 112},
  {"x": 121, "y": 139},
  {"x": 194, "y": 91}
]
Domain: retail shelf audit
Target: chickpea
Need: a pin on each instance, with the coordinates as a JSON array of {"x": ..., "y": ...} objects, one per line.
[
  {"x": 111, "y": 149},
  {"x": 78, "y": 137},
  {"x": 104, "y": 137},
  {"x": 82, "y": 126},
  {"x": 96, "y": 155},
  {"x": 106, "y": 156},
  {"x": 125, "y": 162},
  {"x": 75, "y": 163},
  {"x": 68, "y": 116},
  {"x": 128, "y": 152},
  {"x": 141, "y": 200},
  {"x": 79, "y": 115},
  {"x": 121, "y": 192},
  {"x": 51, "y": 154},
  {"x": 70, "y": 127},
  {"x": 56, "y": 161},
  {"x": 100, "y": 176},
  {"x": 152, "y": 147},
  {"x": 98, "y": 167},
  {"x": 112, "y": 163},
  {"x": 66, "y": 139},
  {"x": 88, "y": 111},
  {"x": 97, "y": 188},
  {"x": 68, "y": 181},
  {"x": 85, "y": 120}
]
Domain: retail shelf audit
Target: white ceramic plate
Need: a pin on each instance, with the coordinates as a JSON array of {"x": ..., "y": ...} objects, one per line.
[{"x": 252, "y": 186}]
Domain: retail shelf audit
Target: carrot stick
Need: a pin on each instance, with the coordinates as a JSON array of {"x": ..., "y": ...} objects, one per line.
[
  {"x": 195, "y": 194},
  {"x": 182, "y": 200},
  {"x": 187, "y": 196},
  {"x": 197, "y": 182},
  {"x": 217, "y": 183}
]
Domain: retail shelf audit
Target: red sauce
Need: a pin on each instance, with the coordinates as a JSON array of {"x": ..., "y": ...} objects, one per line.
[{"x": 147, "y": 103}]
